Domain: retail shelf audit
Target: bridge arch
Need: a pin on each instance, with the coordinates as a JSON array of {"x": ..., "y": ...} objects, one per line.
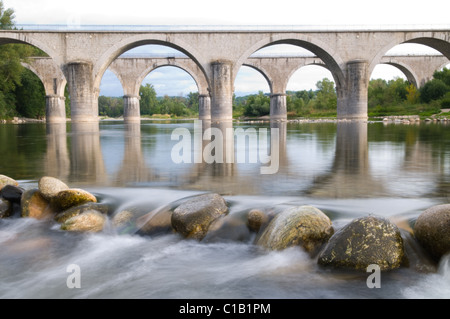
[
  {"x": 24, "y": 38},
  {"x": 437, "y": 41},
  {"x": 263, "y": 72},
  {"x": 320, "y": 49},
  {"x": 315, "y": 62},
  {"x": 121, "y": 47},
  {"x": 410, "y": 74},
  {"x": 198, "y": 77}
]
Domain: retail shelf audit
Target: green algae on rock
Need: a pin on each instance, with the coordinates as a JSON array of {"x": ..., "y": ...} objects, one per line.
[
  {"x": 365, "y": 241},
  {"x": 88, "y": 221},
  {"x": 72, "y": 197},
  {"x": 306, "y": 226}
]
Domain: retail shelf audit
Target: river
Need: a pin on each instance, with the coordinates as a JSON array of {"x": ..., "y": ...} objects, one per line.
[{"x": 346, "y": 169}]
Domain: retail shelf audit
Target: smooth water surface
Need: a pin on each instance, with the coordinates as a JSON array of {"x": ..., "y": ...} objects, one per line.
[{"x": 346, "y": 169}]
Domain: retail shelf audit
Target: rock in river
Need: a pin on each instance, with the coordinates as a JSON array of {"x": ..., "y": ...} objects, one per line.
[
  {"x": 432, "y": 230},
  {"x": 363, "y": 242},
  {"x": 193, "y": 218},
  {"x": 11, "y": 193},
  {"x": 72, "y": 197},
  {"x": 305, "y": 226},
  {"x": 77, "y": 210},
  {"x": 34, "y": 205},
  {"x": 50, "y": 187},
  {"x": 5, "y": 180},
  {"x": 88, "y": 221}
]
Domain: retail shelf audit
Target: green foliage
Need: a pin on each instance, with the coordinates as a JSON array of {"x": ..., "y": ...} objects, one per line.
[
  {"x": 30, "y": 96},
  {"x": 257, "y": 105},
  {"x": 148, "y": 100},
  {"x": 433, "y": 90},
  {"x": 110, "y": 106},
  {"x": 150, "y": 104}
]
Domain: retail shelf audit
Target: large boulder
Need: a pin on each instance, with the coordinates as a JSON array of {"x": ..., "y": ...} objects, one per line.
[
  {"x": 72, "y": 197},
  {"x": 5, "y": 180},
  {"x": 193, "y": 218},
  {"x": 51, "y": 186},
  {"x": 365, "y": 241},
  {"x": 432, "y": 230},
  {"x": 88, "y": 221},
  {"x": 304, "y": 226},
  {"x": 34, "y": 205}
]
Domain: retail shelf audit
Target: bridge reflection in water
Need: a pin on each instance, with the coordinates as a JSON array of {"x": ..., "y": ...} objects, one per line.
[{"x": 316, "y": 161}]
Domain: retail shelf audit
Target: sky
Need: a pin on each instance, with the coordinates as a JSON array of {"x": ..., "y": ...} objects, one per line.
[{"x": 173, "y": 81}]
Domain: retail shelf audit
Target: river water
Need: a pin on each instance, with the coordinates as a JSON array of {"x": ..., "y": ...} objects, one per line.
[{"x": 346, "y": 169}]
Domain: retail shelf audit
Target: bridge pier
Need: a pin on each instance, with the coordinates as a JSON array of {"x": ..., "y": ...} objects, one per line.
[
  {"x": 55, "y": 109},
  {"x": 222, "y": 91},
  {"x": 278, "y": 108},
  {"x": 204, "y": 107},
  {"x": 352, "y": 98},
  {"x": 131, "y": 109},
  {"x": 83, "y": 96}
]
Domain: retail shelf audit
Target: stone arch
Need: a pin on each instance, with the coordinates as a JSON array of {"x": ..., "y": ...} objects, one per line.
[
  {"x": 49, "y": 73},
  {"x": 264, "y": 73},
  {"x": 320, "y": 49},
  {"x": 406, "y": 70},
  {"x": 316, "y": 62},
  {"x": 24, "y": 38},
  {"x": 198, "y": 77},
  {"x": 436, "y": 40},
  {"x": 129, "y": 43}
]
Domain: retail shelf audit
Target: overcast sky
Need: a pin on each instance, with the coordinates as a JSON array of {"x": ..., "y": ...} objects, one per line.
[{"x": 172, "y": 81}]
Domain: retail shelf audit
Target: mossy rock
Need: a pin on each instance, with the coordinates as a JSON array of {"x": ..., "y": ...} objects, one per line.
[
  {"x": 88, "y": 221},
  {"x": 5, "y": 209},
  {"x": 365, "y": 241},
  {"x": 72, "y": 197},
  {"x": 193, "y": 218},
  {"x": 432, "y": 230},
  {"x": 304, "y": 226},
  {"x": 77, "y": 210}
]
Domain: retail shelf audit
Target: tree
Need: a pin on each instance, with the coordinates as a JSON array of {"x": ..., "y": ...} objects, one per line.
[
  {"x": 326, "y": 98},
  {"x": 433, "y": 90},
  {"x": 30, "y": 96},
  {"x": 148, "y": 100},
  {"x": 11, "y": 69}
]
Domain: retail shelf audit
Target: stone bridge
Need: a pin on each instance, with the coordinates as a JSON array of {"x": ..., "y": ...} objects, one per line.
[{"x": 82, "y": 57}]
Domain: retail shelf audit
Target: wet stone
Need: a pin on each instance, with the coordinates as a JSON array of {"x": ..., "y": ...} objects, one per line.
[
  {"x": 432, "y": 230},
  {"x": 72, "y": 197},
  {"x": 50, "y": 187},
  {"x": 11, "y": 193},
  {"x": 365, "y": 241},
  {"x": 5, "y": 209},
  {"x": 304, "y": 226},
  {"x": 88, "y": 221},
  {"x": 77, "y": 210},
  {"x": 193, "y": 218},
  {"x": 5, "y": 180},
  {"x": 34, "y": 205}
]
